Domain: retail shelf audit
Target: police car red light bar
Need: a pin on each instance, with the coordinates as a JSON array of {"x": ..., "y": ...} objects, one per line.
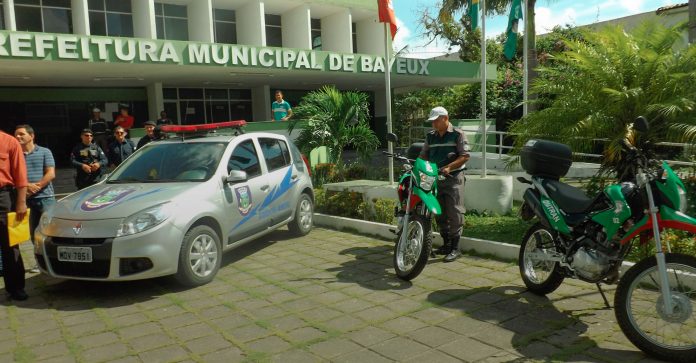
[{"x": 203, "y": 127}]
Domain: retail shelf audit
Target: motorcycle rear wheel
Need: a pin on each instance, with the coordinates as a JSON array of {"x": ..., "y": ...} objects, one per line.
[
  {"x": 540, "y": 277},
  {"x": 411, "y": 255},
  {"x": 640, "y": 309}
]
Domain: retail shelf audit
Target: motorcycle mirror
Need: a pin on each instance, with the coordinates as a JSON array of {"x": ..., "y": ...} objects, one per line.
[
  {"x": 641, "y": 124},
  {"x": 391, "y": 137}
]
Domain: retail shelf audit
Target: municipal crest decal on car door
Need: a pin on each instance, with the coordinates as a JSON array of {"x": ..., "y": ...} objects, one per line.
[{"x": 244, "y": 199}]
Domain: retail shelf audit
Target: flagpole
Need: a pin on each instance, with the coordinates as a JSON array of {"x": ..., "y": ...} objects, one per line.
[
  {"x": 525, "y": 73},
  {"x": 483, "y": 87},
  {"x": 387, "y": 81}
]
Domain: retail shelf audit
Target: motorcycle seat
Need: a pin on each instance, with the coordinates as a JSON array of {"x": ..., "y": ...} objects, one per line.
[{"x": 569, "y": 198}]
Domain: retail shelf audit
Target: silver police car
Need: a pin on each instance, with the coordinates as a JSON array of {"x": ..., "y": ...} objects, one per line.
[{"x": 174, "y": 206}]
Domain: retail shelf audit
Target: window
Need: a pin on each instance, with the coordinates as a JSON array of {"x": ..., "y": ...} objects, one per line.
[
  {"x": 172, "y": 21},
  {"x": 276, "y": 156},
  {"x": 225, "y": 24},
  {"x": 2, "y": 16},
  {"x": 274, "y": 32},
  {"x": 50, "y": 16},
  {"x": 316, "y": 34},
  {"x": 244, "y": 158},
  {"x": 355, "y": 38},
  {"x": 111, "y": 17},
  {"x": 198, "y": 105}
]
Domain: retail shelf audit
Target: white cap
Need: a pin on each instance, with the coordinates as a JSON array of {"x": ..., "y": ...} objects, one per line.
[
  {"x": 96, "y": 110},
  {"x": 437, "y": 112}
]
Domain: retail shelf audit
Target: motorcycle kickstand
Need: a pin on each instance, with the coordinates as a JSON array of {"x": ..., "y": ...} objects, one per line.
[{"x": 606, "y": 302}]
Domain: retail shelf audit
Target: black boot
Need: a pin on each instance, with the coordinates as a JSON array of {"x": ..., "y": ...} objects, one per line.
[
  {"x": 454, "y": 252},
  {"x": 446, "y": 247}
]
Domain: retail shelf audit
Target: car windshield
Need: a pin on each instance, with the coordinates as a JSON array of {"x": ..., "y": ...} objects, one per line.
[{"x": 170, "y": 162}]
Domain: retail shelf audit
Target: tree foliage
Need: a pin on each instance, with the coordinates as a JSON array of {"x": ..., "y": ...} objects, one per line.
[
  {"x": 600, "y": 82},
  {"x": 335, "y": 119}
]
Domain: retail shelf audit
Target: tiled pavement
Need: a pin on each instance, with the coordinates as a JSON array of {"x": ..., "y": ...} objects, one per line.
[{"x": 330, "y": 296}]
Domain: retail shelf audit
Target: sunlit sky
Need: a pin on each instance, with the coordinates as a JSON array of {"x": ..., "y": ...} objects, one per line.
[{"x": 548, "y": 14}]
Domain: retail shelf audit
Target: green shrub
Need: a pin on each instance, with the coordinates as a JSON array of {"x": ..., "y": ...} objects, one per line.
[
  {"x": 343, "y": 204},
  {"x": 354, "y": 171},
  {"x": 324, "y": 173},
  {"x": 384, "y": 211}
]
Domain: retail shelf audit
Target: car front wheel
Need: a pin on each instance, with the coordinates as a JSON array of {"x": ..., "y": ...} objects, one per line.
[{"x": 200, "y": 256}]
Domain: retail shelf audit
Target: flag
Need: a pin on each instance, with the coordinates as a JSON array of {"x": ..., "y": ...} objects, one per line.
[
  {"x": 474, "y": 13},
  {"x": 514, "y": 19},
  {"x": 386, "y": 15}
]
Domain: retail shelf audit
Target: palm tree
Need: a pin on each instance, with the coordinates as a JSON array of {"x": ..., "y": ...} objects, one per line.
[
  {"x": 335, "y": 119},
  {"x": 600, "y": 85}
]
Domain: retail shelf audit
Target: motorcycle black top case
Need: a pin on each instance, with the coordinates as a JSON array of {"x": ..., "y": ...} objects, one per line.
[{"x": 545, "y": 158}]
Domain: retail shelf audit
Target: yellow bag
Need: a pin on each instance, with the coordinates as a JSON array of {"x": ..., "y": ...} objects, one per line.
[{"x": 18, "y": 230}]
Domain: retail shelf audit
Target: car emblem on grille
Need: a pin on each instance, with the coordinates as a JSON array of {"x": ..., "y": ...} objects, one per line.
[{"x": 77, "y": 229}]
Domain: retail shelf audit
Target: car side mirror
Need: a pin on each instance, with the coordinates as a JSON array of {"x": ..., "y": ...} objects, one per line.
[
  {"x": 236, "y": 176},
  {"x": 391, "y": 137},
  {"x": 641, "y": 124}
]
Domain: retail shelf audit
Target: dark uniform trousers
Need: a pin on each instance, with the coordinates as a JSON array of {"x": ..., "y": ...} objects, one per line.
[
  {"x": 12, "y": 264},
  {"x": 450, "y": 220}
]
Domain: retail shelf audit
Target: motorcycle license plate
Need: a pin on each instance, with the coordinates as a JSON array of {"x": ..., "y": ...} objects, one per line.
[{"x": 75, "y": 254}]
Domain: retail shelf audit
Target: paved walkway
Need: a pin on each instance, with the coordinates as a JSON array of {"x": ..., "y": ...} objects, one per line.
[{"x": 330, "y": 296}]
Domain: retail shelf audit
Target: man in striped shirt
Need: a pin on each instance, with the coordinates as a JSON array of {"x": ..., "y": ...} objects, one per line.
[{"x": 41, "y": 170}]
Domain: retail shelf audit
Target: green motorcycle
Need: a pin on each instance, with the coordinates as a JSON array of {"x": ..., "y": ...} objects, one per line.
[
  {"x": 588, "y": 239},
  {"x": 417, "y": 193}
]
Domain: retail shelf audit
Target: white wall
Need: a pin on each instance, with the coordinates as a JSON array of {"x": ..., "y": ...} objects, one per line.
[
  {"x": 200, "y": 24},
  {"x": 80, "y": 17},
  {"x": 8, "y": 9},
  {"x": 336, "y": 35},
  {"x": 144, "y": 19},
  {"x": 251, "y": 24},
  {"x": 297, "y": 28},
  {"x": 370, "y": 36}
]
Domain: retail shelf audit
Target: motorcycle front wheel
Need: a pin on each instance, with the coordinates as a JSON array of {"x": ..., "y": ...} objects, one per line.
[
  {"x": 411, "y": 254},
  {"x": 641, "y": 313}
]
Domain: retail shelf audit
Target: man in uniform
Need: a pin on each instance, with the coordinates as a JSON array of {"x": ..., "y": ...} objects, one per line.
[
  {"x": 88, "y": 159},
  {"x": 149, "y": 134},
  {"x": 120, "y": 148},
  {"x": 439, "y": 143}
]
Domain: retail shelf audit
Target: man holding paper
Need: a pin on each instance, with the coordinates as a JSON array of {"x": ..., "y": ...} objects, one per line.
[{"x": 13, "y": 179}]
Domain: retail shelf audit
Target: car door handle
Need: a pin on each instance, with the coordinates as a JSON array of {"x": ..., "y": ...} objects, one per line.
[
  {"x": 265, "y": 188},
  {"x": 295, "y": 177}
]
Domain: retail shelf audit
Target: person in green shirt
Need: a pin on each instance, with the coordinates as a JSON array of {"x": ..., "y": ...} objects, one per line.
[{"x": 281, "y": 108}]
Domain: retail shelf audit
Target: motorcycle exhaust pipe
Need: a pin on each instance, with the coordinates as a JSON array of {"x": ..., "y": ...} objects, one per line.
[{"x": 533, "y": 203}]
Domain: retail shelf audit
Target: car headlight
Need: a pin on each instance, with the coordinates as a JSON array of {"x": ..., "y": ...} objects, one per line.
[
  {"x": 45, "y": 220},
  {"x": 682, "y": 200},
  {"x": 426, "y": 181},
  {"x": 144, "y": 220}
]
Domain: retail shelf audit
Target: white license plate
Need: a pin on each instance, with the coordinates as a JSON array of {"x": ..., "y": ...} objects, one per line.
[{"x": 75, "y": 254}]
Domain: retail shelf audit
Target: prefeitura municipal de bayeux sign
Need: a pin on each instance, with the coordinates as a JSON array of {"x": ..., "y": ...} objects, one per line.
[{"x": 69, "y": 47}]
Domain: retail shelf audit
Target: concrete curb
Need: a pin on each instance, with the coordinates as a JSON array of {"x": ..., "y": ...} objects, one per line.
[
  {"x": 500, "y": 250},
  {"x": 504, "y": 251}
]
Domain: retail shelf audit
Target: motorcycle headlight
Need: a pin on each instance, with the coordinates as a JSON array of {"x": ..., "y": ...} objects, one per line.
[
  {"x": 144, "y": 220},
  {"x": 426, "y": 181},
  {"x": 682, "y": 200}
]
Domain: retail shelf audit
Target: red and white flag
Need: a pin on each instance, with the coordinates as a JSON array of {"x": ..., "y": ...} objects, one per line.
[{"x": 386, "y": 15}]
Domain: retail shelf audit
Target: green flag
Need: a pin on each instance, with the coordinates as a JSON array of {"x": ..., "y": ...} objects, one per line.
[
  {"x": 515, "y": 16},
  {"x": 474, "y": 13}
]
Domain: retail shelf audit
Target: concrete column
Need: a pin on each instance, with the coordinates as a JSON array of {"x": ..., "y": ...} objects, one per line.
[
  {"x": 336, "y": 33},
  {"x": 370, "y": 36},
  {"x": 80, "y": 17},
  {"x": 8, "y": 9},
  {"x": 261, "y": 103},
  {"x": 251, "y": 24},
  {"x": 200, "y": 23},
  {"x": 155, "y": 100},
  {"x": 144, "y": 19},
  {"x": 297, "y": 28}
]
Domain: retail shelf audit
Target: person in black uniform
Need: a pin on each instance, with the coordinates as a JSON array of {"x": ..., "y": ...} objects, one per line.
[
  {"x": 149, "y": 133},
  {"x": 100, "y": 129},
  {"x": 120, "y": 148},
  {"x": 439, "y": 143},
  {"x": 88, "y": 159}
]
